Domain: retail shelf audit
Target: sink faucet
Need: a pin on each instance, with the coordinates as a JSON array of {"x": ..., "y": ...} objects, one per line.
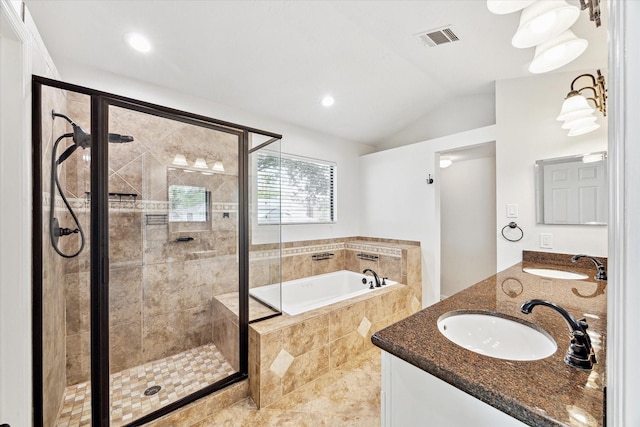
[
  {"x": 602, "y": 273},
  {"x": 580, "y": 354},
  {"x": 375, "y": 276}
]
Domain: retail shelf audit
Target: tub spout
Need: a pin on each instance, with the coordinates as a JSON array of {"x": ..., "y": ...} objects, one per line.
[{"x": 375, "y": 276}]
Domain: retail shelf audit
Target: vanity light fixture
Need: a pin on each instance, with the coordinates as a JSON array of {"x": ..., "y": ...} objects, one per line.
[
  {"x": 576, "y": 111},
  {"x": 200, "y": 163},
  {"x": 180, "y": 160},
  {"x": 445, "y": 162},
  {"x": 594, "y": 10},
  {"x": 218, "y": 166},
  {"x": 138, "y": 42},
  {"x": 502, "y": 7},
  {"x": 557, "y": 52},
  {"x": 542, "y": 21}
]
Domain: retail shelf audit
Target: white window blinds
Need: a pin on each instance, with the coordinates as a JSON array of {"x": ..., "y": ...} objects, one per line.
[{"x": 301, "y": 191}]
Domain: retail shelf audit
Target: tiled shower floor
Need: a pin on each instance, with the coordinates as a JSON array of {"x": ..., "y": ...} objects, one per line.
[{"x": 178, "y": 375}]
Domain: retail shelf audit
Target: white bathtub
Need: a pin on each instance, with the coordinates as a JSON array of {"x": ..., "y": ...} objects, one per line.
[{"x": 313, "y": 292}]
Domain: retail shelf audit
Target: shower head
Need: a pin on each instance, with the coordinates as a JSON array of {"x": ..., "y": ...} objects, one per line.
[{"x": 82, "y": 138}]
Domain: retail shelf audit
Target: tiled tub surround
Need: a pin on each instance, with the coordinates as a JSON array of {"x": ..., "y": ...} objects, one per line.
[
  {"x": 544, "y": 392},
  {"x": 287, "y": 352}
]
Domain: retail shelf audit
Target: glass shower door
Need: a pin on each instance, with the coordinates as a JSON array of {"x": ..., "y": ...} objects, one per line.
[{"x": 174, "y": 259}]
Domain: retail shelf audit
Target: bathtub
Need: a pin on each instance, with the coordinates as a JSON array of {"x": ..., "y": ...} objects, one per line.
[{"x": 314, "y": 292}]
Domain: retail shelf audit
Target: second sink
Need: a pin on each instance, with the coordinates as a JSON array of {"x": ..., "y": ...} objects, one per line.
[
  {"x": 555, "y": 274},
  {"x": 496, "y": 335}
]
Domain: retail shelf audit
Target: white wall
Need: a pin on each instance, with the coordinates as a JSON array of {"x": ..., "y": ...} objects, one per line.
[
  {"x": 296, "y": 140},
  {"x": 21, "y": 52},
  {"x": 527, "y": 131},
  {"x": 468, "y": 223},
  {"x": 459, "y": 114},
  {"x": 397, "y": 202}
]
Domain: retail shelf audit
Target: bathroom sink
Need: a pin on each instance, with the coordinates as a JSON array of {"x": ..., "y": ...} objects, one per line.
[
  {"x": 555, "y": 274},
  {"x": 496, "y": 335}
]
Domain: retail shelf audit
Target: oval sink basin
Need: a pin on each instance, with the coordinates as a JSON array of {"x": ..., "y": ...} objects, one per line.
[
  {"x": 555, "y": 274},
  {"x": 496, "y": 336}
]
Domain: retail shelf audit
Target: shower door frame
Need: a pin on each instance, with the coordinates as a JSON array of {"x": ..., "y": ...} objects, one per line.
[{"x": 99, "y": 245}]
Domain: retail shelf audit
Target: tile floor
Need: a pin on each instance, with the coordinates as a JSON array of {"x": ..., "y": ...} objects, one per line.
[
  {"x": 178, "y": 375},
  {"x": 346, "y": 397}
]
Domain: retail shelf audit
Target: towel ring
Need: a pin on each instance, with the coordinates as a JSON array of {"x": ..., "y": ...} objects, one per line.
[{"x": 512, "y": 225}]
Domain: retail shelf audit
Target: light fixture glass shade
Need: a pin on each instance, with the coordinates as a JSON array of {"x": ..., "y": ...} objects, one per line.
[
  {"x": 557, "y": 52},
  {"x": 218, "y": 166},
  {"x": 584, "y": 129},
  {"x": 502, "y": 7},
  {"x": 543, "y": 20},
  {"x": 200, "y": 163},
  {"x": 579, "y": 122},
  {"x": 445, "y": 162},
  {"x": 180, "y": 160},
  {"x": 573, "y": 107}
]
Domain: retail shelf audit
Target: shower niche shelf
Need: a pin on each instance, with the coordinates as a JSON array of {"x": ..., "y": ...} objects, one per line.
[{"x": 117, "y": 197}]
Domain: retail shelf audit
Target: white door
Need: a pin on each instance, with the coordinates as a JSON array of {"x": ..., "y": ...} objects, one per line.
[{"x": 576, "y": 193}]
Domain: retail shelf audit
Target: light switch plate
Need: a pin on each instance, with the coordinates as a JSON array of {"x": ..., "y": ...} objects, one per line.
[
  {"x": 546, "y": 240},
  {"x": 512, "y": 210}
]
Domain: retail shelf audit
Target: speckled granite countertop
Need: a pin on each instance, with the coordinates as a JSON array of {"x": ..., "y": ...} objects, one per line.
[{"x": 544, "y": 392}]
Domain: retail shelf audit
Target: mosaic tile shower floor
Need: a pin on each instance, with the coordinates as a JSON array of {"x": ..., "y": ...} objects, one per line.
[{"x": 178, "y": 375}]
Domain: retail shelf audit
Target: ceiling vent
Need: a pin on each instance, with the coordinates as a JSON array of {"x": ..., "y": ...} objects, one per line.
[{"x": 437, "y": 36}]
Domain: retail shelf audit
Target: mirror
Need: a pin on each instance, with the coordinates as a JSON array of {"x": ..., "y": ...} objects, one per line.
[{"x": 572, "y": 190}]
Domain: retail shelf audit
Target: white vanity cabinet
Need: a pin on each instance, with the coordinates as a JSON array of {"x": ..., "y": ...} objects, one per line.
[{"x": 413, "y": 398}]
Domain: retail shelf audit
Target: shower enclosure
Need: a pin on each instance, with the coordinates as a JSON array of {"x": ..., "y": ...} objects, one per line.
[{"x": 143, "y": 255}]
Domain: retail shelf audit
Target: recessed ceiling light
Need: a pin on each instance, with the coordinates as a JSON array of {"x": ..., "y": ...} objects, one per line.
[
  {"x": 138, "y": 42},
  {"x": 328, "y": 101}
]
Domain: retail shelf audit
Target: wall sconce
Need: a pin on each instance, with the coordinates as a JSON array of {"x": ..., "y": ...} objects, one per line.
[
  {"x": 576, "y": 112},
  {"x": 200, "y": 163},
  {"x": 594, "y": 10},
  {"x": 542, "y": 21},
  {"x": 502, "y": 7},
  {"x": 180, "y": 160},
  {"x": 218, "y": 166},
  {"x": 445, "y": 162},
  {"x": 546, "y": 25}
]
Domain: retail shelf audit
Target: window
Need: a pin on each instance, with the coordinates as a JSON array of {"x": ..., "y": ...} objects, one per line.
[
  {"x": 188, "y": 204},
  {"x": 302, "y": 189}
]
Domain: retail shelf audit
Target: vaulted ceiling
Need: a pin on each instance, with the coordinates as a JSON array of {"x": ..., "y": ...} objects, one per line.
[{"x": 279, "y": 58}]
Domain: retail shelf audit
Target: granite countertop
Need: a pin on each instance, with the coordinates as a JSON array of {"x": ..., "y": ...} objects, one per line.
[{"x": 543, "y": 392}]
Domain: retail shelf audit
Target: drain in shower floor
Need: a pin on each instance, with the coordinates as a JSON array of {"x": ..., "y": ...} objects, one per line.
[{"x": 152, "y": 390}]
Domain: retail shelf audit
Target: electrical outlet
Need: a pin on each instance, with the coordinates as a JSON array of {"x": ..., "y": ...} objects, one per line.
[
  {"x": 546, "y": 240},
  {"x": 512, "y": 210}
]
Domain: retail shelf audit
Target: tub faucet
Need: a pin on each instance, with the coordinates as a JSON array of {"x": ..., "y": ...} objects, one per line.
[
  {"x": 580, "y": 354},
  {"x": 602, "y": 273},
  {"x": 375, "y": 276}
]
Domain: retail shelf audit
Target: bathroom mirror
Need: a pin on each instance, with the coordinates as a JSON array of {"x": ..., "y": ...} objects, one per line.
[{"x": 572, "y": 190}]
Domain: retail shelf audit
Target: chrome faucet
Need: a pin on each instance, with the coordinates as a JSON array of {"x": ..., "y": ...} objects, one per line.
[
  {"x": 580, "y": 354},
  {"x": 375, "y": 276},
  {"x": 602, "y": 273}
]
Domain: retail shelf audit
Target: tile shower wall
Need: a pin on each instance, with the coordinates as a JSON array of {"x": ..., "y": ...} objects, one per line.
[
  {"x": 53, "y": 289},
  {"x": 161, "y": 291}
]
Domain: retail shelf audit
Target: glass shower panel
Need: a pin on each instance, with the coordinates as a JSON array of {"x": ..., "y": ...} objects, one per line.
[
  {"x": 174, "y": 259},
  {"x": 264, "y": 228},
  {"x": 65, "y": 281}
]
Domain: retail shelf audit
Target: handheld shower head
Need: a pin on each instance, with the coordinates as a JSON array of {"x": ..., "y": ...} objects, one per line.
[{"x": 82, "y": 138}]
